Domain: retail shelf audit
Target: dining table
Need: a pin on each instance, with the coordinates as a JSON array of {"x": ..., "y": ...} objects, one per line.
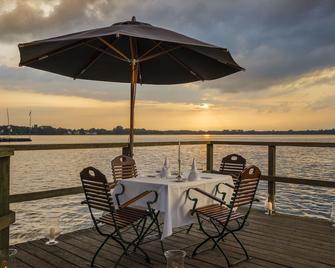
[{"x": 172, "y": 202}]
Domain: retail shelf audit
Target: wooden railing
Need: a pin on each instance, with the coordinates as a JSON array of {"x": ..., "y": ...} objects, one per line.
[{"x": 7, "y": 217}]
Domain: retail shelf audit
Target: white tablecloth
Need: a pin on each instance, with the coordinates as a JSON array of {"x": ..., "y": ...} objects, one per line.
[{"x": 172, "y": 201}]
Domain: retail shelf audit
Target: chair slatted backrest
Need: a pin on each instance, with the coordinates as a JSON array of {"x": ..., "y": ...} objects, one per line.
[
  {"x": 123, "y": 167},
  {"x": 96, "y": 190},
  {"x": 232, "y": 164},
  {"x": 246, "y": 187}
]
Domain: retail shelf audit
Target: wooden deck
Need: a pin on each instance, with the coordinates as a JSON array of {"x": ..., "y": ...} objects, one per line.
[{"x": 276, "y": 241}]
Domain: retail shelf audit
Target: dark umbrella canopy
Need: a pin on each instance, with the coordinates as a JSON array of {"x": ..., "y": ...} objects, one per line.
[{"x": 131, "y": 52}]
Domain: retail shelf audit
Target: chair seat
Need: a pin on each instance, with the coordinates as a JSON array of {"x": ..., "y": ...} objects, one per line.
[
  {"x": 124, "y": 216},
  {"x": 219, "y": 213}
]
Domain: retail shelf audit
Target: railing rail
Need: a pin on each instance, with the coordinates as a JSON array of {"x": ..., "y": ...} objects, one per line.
[{"x": 7, "y": 217}]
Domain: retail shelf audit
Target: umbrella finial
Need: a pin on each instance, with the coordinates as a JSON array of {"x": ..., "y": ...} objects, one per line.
[{"x": 133, "y": 19}]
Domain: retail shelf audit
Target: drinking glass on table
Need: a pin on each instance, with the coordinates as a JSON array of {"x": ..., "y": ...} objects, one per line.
[{"x": 53, "y": 231}]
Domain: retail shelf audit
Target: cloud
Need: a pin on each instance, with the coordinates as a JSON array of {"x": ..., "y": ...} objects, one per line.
[{"x": 287, "y": 48}]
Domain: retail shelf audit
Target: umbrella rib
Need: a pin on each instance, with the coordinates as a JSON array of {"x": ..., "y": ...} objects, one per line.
[
  {"x": 89, "y": 64},
  {"x": 105, "y": 52},
  {"x": 114, "y": 48},
  {"x": 149, "y": 50},
  {"x": 52, "y": 53},
  {"x": 164, "y": 51},
  {"x": 194, "y": 73},
  {"x": 92, "y": 61}
]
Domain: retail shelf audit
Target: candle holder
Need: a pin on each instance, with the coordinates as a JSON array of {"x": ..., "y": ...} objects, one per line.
[
  {"x": 179, "y": 178},
  {"x": 179, "y": 171}
]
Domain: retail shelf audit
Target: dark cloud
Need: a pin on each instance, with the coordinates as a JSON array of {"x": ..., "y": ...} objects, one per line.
[{"x": 274, "y": 40}]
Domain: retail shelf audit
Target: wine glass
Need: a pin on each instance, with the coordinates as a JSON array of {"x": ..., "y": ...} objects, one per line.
[
  {"x": 175, "y": 258},
  {"x": 52, "y": 232}
]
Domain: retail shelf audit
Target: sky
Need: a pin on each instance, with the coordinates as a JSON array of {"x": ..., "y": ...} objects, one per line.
[{"x": 287, "y": 48}]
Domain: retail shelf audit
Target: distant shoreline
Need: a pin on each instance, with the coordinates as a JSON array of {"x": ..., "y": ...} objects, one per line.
[{"x": 12, "y": 130}]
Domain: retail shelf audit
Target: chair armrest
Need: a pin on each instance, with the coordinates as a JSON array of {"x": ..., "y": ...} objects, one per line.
[
  {"x": 140, "y": 196},
  {"x": 134, "y": 199},
  {"x": 217, "y": 189},
  {"x": 195, "y": 200},
  {"x": 209, "y": 195},
  {"x": 111, "y": 185},
  {"x": 118, "y": 194}
]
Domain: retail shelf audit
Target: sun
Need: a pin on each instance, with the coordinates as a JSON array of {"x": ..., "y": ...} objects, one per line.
[{"x": 204, "y": 105}]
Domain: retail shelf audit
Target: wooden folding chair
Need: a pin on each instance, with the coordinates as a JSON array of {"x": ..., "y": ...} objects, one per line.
[
  {"x": 98, "y": 198},
  {"x": 123, "y": 167},
  {"x": 233, "y": 165},
  {"x": 227, "y": 218}
]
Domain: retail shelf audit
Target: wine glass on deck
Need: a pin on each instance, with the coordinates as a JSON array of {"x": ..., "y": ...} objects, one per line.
[
  {"x": 52, "y": 231},
  {"x": 175, "y": 258}
]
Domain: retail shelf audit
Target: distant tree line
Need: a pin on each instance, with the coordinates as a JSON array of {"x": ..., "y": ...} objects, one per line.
[{"x": 119, "y": 130}]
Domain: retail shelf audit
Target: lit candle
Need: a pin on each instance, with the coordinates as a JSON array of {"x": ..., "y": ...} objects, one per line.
[
  {"x": 4, "y": 264},
  {"x": 270, "y": 207}
]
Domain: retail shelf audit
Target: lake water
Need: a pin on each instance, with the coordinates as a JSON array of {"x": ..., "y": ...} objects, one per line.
[{"x": 45, "y": 170}]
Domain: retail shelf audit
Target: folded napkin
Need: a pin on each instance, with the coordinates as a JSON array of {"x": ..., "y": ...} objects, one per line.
[
  {"x": 165, "y": 171},
  {"x": 194, "y": 174}
]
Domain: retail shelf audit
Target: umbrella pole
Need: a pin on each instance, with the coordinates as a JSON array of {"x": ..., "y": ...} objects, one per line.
[
  {"x": 132, "y": 109},
  {"x": 134, "y": 75}
]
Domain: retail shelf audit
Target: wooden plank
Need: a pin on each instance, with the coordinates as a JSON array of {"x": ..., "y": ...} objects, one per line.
[
  {"x": 279, "y": 143},
  {"x": 7, "y": 220},
  {"x": 73, "y": 146},
  {"x": 5, "y": 151},
  {"x": 29, "y": 147},
  {"x": 209, "y": 157},
  {"x": 271, "y": 184},
  {"x": 31, "y": 260},
  {"x": 16, "y": 198},
  {"x": 44, "y": 255},
  {"x": 277, "y": 241},
  {"x": 4, "y": 196}
]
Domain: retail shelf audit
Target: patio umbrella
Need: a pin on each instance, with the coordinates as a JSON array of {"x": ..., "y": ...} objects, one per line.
[{"x": 130, "y": 52}]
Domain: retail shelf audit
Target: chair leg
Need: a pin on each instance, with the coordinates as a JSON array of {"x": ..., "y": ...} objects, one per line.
[
  {"x": 136, "y": 242},
  {"x": 243, "y": 248},
  {"x": 97, "y": 252},
  {"x": 189, "y": 228},
  {"x": 200, "y": 245},
  {"x": 224, "y": 255},
  {"x": 159, "y": 231}
]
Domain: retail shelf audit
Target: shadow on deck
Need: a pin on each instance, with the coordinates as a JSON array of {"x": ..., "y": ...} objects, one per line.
[{"x": 276, "y": 241}]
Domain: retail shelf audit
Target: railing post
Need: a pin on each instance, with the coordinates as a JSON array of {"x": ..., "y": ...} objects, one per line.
[
  {"x": 210, "y": 157},
  {"x": 4, "y": 199},
  {"x": 271, "y": 184},
  {"x": 126, "y": 151}
]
